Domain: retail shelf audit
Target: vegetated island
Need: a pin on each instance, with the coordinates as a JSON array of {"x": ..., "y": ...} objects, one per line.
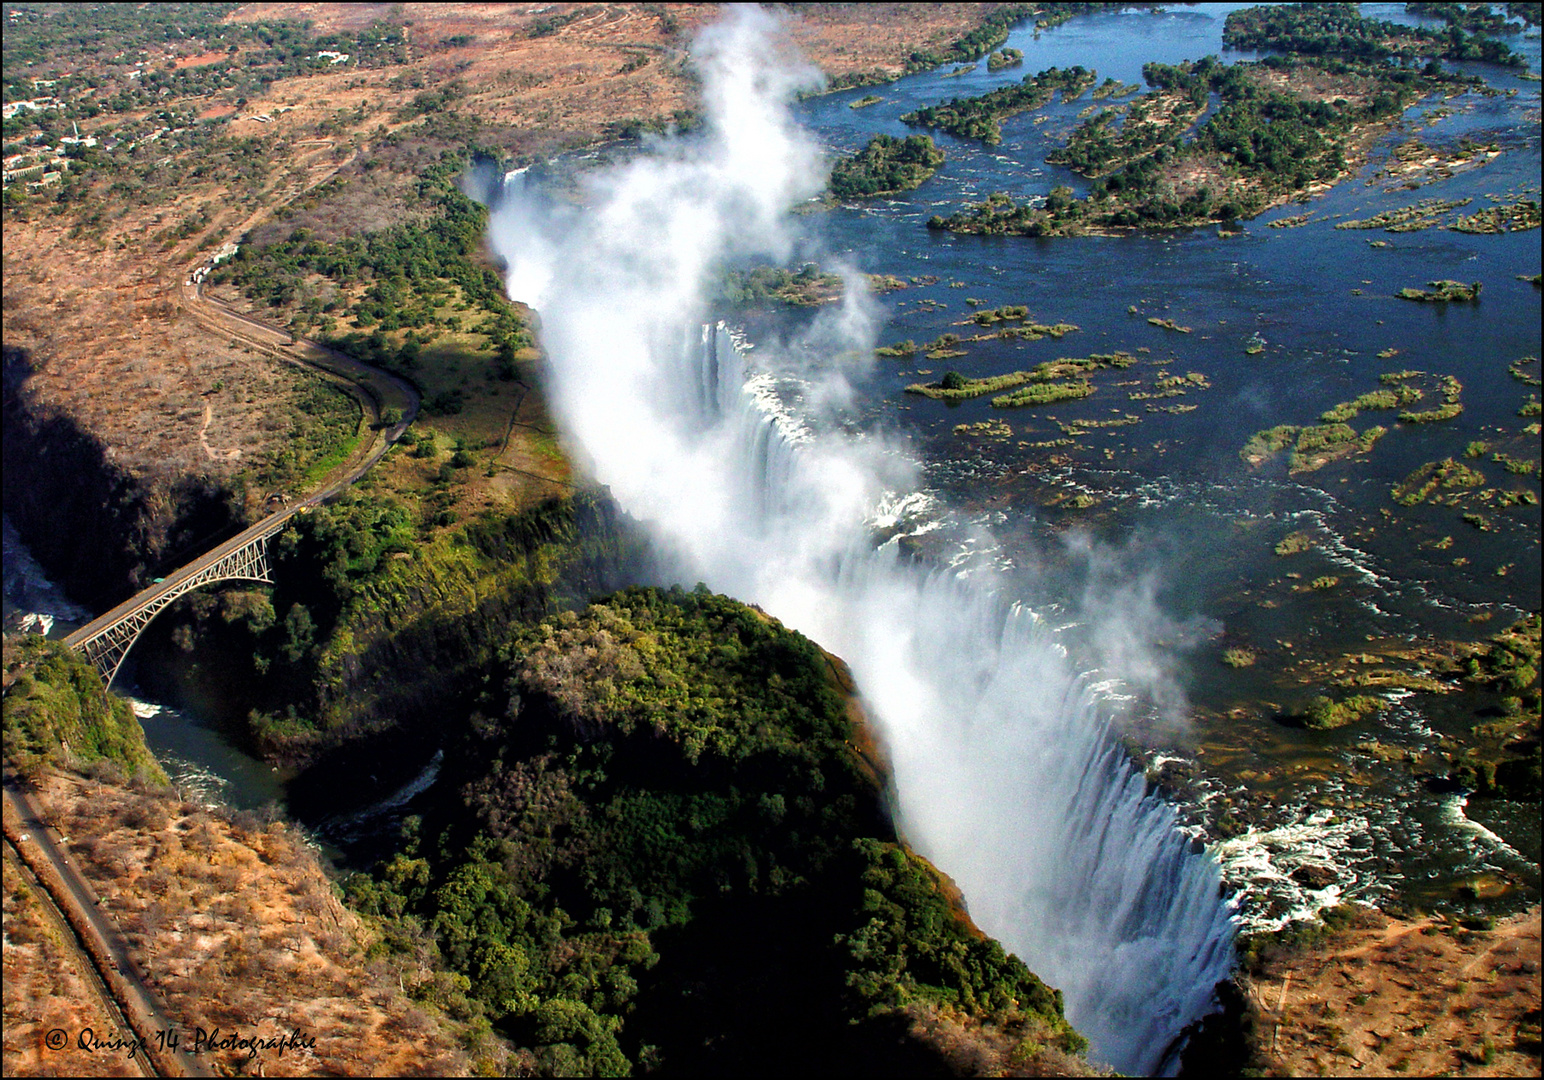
[
  {"x": 1442, "y": 292},
  {"x": 993, "y": 32},
  {"x": 1519, "y": 215},
  {"x": 1285, "y": 126},
  {"x": 1518, "y": 369},
  {"x": 1414, "y": 163},
  {"x": 1282, "y": 128},
  {"x": 1437, "y": 482},
  {"x": 1316, "y": 445},
  {"x": 1325, "y": 713},
  {"x": 947, "y": 345},
  {"x": 1338, "y": 30},
  {"x": 1039, "y": 384},
  {"x": 1167, "y": 385},
  {"x": 886, "y": 166},
  {"x": 808, "y": 286},
  {"x": 1295, "y": 221},
  {"x": 1097, "y": 147},
  {"x": 1413, "y": 218},
  {"x": 981, "y": 117},
  {"x": 1114, "y": 89},
  {"x": 1024, "y": 331},
  {"x": 1004, "y": 58}
]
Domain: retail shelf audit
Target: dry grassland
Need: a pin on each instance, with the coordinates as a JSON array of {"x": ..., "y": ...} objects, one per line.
[
  {"x": 236, "y": 927},
  {"x": 47, "y": 986},
  {"x": 93, "y": 295},
  {"x": 567, "y": 87},
  {"x": 1414, "y": 998}
]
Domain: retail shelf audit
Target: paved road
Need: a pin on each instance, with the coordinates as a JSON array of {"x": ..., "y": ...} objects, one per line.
[
  {"x": 381, "y": 390},
  {"x": 105, "y": 946},
  {"x": 79, "y": 959}
]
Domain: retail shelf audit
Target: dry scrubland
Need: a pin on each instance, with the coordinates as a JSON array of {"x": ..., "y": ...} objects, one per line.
[
  {"x": 48, "y": 984},
  {"x": 1423, "y": 997},
  {"x": 114, "y": 348},
  {"x": 93, "y": 294},
  {"x": 234, "y": 925}
]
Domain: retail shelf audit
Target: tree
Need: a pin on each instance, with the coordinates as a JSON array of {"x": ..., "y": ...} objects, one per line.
[{"x": 300, "y": 632}]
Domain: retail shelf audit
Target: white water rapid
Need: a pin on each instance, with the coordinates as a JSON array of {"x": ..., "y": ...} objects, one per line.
[{"x": 1006, "y": 772}]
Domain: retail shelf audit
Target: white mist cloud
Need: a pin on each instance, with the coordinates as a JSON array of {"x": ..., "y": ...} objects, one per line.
[
  {"x": 1134, "y": 639},
  {"x": 618, "y": 282},
  {"x": 1004, "y": 771}
]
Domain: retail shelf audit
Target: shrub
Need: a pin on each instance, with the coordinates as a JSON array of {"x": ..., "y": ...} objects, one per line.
[{"x": 1324, "y": 713}]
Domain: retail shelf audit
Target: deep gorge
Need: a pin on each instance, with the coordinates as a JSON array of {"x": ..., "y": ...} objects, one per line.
[
  {"x": 1006, "y": 774},
  {"x": 101, "y": 531}
]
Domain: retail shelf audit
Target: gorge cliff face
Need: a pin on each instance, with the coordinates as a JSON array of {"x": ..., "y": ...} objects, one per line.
[{"x": 101, "y": 530}]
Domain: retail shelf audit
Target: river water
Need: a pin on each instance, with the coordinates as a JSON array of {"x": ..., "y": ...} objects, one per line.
[
  {"x": 1167, "y": 499},
  {"x": 197, "y": 757}
]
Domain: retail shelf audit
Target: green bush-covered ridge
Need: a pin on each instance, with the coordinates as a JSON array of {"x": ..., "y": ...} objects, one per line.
[
  {"x": 58, "y": 714},
  {"x": 660, "y": 795}
]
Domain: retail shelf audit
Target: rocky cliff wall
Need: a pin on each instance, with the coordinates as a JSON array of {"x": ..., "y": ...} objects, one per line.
[{"x": 100, "y": 531}]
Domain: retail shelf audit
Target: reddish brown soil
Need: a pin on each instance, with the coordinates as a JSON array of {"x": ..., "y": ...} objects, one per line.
[
  {"x": 201, "y": 60},
  {"x": 1415, "y": 998},
  {"x": 96, "y": 305}
]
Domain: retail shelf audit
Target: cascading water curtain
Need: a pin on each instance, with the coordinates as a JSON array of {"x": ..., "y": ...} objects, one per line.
[{"x": 1006, "y": 773}]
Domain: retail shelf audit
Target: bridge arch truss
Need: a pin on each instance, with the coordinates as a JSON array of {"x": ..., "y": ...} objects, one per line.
[{"x": 107, "y": 640}]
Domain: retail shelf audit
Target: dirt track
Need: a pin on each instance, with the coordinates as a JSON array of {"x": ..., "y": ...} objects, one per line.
[{"x": 1418, "y": 998}]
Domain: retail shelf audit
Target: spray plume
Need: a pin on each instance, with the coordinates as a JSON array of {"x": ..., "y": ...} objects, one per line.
[{"x": 1006, "y": 773}]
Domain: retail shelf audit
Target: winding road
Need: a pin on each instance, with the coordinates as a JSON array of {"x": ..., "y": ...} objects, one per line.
[
  {"x": 60, "y": 881},
  {"x": 377, "y": 391}
]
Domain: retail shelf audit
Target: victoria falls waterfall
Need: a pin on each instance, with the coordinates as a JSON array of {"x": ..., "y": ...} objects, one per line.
[{"x": 744, "y": 462}]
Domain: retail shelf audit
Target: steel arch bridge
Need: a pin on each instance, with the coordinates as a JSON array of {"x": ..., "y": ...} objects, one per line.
[{"x": 106, "y": 641}]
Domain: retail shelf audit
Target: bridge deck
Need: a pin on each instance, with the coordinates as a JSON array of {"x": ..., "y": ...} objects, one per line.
[{"x": 147, "y": 596}]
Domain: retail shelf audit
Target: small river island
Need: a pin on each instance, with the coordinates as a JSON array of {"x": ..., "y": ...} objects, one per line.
[{"x": 886, "y": 166}]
